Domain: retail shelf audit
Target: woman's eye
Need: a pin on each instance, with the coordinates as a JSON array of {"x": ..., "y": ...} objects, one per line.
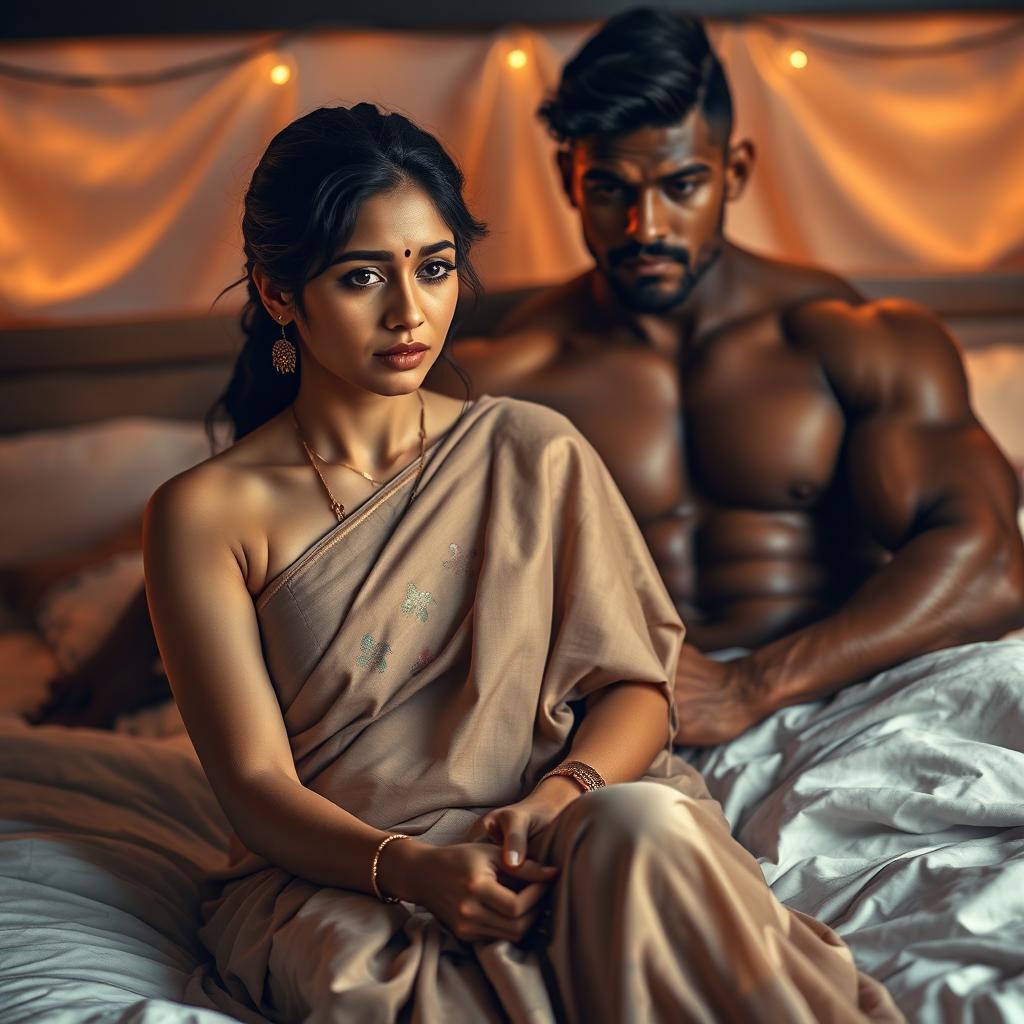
[
  {"x": 436, "y": 270},
  {"x": 363, "y": 278}
]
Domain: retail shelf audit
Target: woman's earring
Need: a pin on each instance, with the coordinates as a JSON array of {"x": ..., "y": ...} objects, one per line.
[{"x": 282, "y": 355}]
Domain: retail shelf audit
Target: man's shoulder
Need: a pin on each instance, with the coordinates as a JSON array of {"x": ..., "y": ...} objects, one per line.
[
  {"x": 890, "y": 327},
  {"x": 763, "y": 288},
  {"x": 526, "y": 342},
  {"x": 785, "y": 286},
  {"x": 889, "y": 351},
  {"x": 557, "y": 309}
]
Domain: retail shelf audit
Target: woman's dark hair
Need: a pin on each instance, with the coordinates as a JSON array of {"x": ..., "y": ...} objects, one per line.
[
  {"x": 644, "y": 69},
  {"x": 300, "y": 210}
]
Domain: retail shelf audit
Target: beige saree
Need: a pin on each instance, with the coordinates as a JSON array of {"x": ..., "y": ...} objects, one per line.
[{"x": 425, "y": 653}]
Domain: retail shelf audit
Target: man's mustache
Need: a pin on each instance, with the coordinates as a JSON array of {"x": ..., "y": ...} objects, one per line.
[{"x": 658, "y": 250}]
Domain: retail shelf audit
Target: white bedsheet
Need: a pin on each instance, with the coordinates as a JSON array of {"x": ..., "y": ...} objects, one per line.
[
  {"x": 895, "y": 813},
  {"x": 104, "y": 842}
]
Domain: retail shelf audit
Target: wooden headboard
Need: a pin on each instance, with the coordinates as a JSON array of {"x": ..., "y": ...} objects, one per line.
[{"x": 60, "y": 376}]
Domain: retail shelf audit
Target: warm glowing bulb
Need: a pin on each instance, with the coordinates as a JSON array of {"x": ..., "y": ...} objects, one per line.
[
  {"x": 517, "y": 59},
  {"x": 798, "y": 59},
  {"x": 280, "y": 74}
]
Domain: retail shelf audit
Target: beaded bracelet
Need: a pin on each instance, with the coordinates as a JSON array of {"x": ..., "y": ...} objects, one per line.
[{"x": 374, "y": 885}]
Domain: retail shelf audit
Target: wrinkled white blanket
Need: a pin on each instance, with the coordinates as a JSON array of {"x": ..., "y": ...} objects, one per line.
[
  {"x": 104, "y": 843},
  {"x": 894, "y": 812}
]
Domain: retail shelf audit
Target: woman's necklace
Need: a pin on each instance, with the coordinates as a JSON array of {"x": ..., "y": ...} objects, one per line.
[{"x": 336, "y": 506}]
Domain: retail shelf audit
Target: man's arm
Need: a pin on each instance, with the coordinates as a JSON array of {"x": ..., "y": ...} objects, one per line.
[{"x": 928, "y": 483}]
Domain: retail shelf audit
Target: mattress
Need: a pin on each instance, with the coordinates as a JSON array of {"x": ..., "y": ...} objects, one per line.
[{"x": 105, "y": 841}]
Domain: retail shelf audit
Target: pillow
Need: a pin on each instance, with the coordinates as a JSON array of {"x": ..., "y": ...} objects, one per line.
[
  {"x": 75, "y": 485},
  {"x": 79, "y": 613}
]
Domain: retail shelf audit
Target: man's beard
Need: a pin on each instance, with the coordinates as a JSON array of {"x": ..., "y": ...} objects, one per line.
[{"x": 647, "y": 295}]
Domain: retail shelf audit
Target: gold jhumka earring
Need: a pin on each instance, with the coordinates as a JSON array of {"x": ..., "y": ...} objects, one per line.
[{"x": 282, "y": 355}]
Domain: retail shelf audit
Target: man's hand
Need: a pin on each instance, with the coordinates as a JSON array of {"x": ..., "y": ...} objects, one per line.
[{"x": 715, "y": 701}]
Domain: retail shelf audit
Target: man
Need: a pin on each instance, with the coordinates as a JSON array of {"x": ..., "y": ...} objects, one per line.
[{"x": 806, "y": 468}]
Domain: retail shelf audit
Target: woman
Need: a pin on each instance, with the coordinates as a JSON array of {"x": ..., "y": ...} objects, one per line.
[{"x": 378, "y": 610}]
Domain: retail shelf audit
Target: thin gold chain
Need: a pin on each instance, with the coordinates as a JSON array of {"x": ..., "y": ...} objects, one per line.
[
  {"x": 338, "y": 462},
  {"x": 312, "y": 455}
]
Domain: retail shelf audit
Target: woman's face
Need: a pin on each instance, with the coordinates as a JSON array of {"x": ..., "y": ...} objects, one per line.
[{"x": 379, "y": 315}]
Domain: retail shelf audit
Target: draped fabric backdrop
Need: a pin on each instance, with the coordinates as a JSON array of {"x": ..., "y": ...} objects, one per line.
[{"x": 125, "y": 201}]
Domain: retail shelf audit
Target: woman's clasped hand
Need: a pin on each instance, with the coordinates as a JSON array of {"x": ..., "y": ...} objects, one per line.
[
  {"x": 489, "y": 888},
  {"x": 469, "y": 888}
]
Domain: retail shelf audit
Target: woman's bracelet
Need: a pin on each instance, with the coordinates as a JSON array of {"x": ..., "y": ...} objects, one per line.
[
  {"x": 374, "y": 884},
  {"x": 587, "y": 778}
]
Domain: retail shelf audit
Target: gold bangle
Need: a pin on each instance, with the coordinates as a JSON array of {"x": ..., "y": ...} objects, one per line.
[
  {"x": 374, "y": 885},
  {"x": 587, "y": 778}
]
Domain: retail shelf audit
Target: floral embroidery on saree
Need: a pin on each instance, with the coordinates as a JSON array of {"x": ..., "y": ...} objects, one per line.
[
  {"x": 375, "y": 653},
  {"x": 425, "y": 658},
  {"x": 417, "y": 602},
  {"x": 462, "y": 561}
]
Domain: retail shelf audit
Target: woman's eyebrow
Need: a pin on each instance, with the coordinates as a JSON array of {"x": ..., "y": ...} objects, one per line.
[
  {"x": 385, "y": 255},
  {"x": 365, "y": 255},
  {"x": 429, "y": 250}
]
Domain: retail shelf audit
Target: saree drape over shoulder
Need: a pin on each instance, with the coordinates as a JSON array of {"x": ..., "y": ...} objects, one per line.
[{"x": 426, "y": 655}]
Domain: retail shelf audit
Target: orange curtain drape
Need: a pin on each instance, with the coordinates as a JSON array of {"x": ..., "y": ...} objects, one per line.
[{"x": 125, "y": 201}]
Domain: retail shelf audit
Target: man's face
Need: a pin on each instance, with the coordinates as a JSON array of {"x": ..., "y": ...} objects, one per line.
[{"x": 651, "y": 204}]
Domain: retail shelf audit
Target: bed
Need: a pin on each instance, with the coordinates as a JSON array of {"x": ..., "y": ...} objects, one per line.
[{"x": 106, "y": 837}]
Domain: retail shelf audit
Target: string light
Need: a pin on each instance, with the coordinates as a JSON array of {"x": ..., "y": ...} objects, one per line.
[
  {"x": 893, "y": 51},
  {"x": 797, "y": 59},
  {"x": 516, "y": 59},
  {"x": 158, "y": 76}
]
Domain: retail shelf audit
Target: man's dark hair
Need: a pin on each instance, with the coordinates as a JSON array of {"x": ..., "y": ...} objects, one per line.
[{"x": 645, "y": 68}]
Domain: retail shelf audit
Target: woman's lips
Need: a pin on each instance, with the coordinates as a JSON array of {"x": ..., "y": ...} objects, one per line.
[{"x": 403, "y": 357}]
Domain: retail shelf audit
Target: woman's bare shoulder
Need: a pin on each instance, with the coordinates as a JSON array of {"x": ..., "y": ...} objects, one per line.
[{"x": 217, "y": 498}]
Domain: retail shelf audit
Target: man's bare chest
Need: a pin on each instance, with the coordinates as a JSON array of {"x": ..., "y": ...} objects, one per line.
[{"x": 740, "y": 425}]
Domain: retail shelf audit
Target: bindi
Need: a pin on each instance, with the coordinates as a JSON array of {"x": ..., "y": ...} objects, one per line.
[{"x": 408, "y": 253}]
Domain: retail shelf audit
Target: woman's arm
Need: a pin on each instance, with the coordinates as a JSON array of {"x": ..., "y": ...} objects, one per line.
[
  {"x": 206, "y": 627},
  {"x": 624, "y": 727},
  {"x": 207, "y": 632}
]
